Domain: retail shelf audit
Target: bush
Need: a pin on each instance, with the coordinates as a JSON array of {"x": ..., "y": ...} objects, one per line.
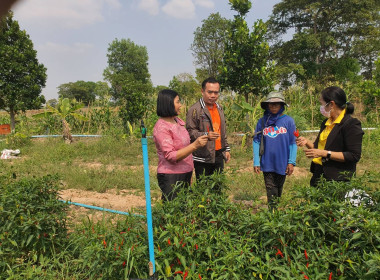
[{"x": 32, "y": 220}]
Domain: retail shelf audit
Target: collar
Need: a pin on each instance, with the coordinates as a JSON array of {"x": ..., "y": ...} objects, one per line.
[
  {"x": 337, "y": 120},
  {"x": 203, "y": 104}
]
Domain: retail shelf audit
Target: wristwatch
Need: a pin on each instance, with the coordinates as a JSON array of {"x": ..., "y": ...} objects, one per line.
[{"x": 328, "y": 155}]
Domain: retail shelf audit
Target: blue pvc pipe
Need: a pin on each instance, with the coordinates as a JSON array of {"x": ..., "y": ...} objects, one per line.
[
  {"x": 100, "y": 208},
  {"x": 74, "y": 135},
  {"x": 144, "y": 143}
]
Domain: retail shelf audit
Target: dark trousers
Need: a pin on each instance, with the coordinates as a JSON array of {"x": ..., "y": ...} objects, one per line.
[
  {"x": 317, "y": 173},
  {"x": 274, "y": 184},
  {"x": 167, "y": 183},
  {"x": 209, "y": 168}
]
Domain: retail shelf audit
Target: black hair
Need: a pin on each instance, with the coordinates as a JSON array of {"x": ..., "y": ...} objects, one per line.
[
  {"x": 210, "y": 80},
  {"x": 337, "y": 95},
  {"x": 165, "y": 103}
]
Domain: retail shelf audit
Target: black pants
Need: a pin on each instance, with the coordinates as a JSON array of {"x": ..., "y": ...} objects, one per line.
[
  {"x": 167, "y": 183},
  {"x": 274, "y": 184},
  {"x": 209, "y": 168},
  {"x": 317, "y": 173}
]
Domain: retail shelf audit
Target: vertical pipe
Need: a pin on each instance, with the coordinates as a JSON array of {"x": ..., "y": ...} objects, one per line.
[{"x": 144, "y": 143}]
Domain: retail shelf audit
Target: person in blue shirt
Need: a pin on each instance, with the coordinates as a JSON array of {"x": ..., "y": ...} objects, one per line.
[{"x": 279, "y": 142}]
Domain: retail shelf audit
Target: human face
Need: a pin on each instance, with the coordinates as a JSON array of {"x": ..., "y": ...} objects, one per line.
[
  {"x": 177, "y": 105},
  {"x": 325, "y": 108},
  {"x": 211, "y": 93},
  {"x": 274, "y": 107}
]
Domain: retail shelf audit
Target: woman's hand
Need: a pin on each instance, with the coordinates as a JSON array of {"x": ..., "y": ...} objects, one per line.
[
  {"x": 201, "y": 141},
  {"x": 256, "y": 169},
  {"x": 301, "y": 141},
  {"x": 315, "y": 153},
  {"x": 289, "y": 169}
]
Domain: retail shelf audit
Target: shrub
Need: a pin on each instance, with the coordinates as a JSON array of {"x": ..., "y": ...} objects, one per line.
[{"x": 32, "y": 220}]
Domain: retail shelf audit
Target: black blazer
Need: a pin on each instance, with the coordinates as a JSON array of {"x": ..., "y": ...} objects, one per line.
[{"x": 345, "y": 137}]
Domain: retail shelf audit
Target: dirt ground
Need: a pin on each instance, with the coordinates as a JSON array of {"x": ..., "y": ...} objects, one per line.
[{"x": 120, "y": 200}]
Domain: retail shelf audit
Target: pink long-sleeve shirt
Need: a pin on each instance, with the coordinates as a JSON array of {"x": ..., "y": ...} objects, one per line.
[{"x": 169, "y": 138}]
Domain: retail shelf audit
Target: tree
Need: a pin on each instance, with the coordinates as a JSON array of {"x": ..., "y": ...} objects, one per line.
[
  {"x": 208, "y": 45},
  {"x": 21, "y": 76},
  {"x": 80, "y": 90},
  {"x": 345, "y": 32},
  {"x": 63, "y": 110},
  {"x": 186, "y": 86},
  {"x": 128, "y": 74},
  {"x": 245, "y": 61}
]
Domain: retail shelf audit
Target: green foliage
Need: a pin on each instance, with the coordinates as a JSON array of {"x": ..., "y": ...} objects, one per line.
[
  {"x": 128, "y": 74},
  {"x": 85, "y": 92},
  {"x": 32, "y": 220},
  {"x": 208, "y": 45},
  {"x": 246, "y": 69},
  {"x": 21, "y": 76},
  {"x": 370, "y": 92},
  {"x": 17, "y": 140},
  {"x": 333, "y": 39},
  {"x": 187, "y": 87}
]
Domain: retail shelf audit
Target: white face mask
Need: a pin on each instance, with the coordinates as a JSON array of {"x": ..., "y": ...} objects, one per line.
[{"x": 323, "y": 111}]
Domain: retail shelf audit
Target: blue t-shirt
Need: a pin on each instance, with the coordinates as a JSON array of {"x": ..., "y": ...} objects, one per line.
[{"x": 278, "y": 140}]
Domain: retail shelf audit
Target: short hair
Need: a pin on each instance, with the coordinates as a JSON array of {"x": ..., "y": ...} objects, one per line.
[
  {"x": 337, "y": 95},
  {"x": 210, "y": 80},
  {"x": 165, "y": 103}
]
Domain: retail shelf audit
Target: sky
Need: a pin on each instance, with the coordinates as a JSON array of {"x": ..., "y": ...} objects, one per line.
[{"x": 71, "y": 37}]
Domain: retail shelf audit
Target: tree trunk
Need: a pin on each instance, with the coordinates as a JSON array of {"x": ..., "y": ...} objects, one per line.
[
  {"x": 66, "y": 132},
  {"x": 246, "y": 96},
  {"x": 12, "y": 115}
]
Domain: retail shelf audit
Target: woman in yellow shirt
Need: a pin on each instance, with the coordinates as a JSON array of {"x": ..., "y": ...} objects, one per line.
[{"x": 338, "y": 146}]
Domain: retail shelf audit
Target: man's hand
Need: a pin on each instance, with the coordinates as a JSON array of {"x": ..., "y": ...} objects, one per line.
[
  {"x": 228, "y": 157},
  {"x": 256, "y": 169},
  {"x": 289, "y": 169},
  {"x": 213, "y": 135}
]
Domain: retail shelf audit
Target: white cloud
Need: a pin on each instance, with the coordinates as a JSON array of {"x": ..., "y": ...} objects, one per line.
[
  {"x": 150, "y": 6},
  {"x": 68, "y": 13},
  {"x": 183, "y": 9},
  {"x": 205, "y": 3},
  {"x": 75, "y": 48}
]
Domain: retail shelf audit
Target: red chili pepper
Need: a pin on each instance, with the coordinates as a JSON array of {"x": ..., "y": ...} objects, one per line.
[
  {"x": 306, "y": 255},
  {"x": 279, "y": 253},
  {"x": 185, "y": 275},
  {"x": 178, "y": 272},
  {"x": 200, "y": 277},
  {"x": 330, "y": 276},
  {"x": 104, "y": 243},
  {"x": 305, "y": 276},
  {"x": 296, "y": 133},
  {"x": 169, "y": 241},
  {"x": 179, "y": 262},
  {"x": 307, "y": 265},
  {"x": 124, "y": 264},
  {"x": 196, "y": 246},
  {"x": 184, "y": 244}
]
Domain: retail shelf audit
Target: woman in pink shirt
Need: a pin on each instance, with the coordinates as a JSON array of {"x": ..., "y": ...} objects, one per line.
[{"x": 175, "y": 161}]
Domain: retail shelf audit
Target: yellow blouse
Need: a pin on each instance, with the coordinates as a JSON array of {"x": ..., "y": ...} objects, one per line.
[{"x": 325, "y": 133}]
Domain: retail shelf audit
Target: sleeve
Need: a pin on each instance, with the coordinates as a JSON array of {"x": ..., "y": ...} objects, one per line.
[
  {"x": 164, "y": 141},
  {"x": 193, "y": 124},
  {"x": 352, "y": 137},
  {"x": 257, "y": 136},
  {"x": 256, "y": 145},
  {"x": 256, "y": 157},
  {"x": 228, "y": 149},
  {"x": 292, "y": 128},
  {"x": 292, "y": 154}
]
